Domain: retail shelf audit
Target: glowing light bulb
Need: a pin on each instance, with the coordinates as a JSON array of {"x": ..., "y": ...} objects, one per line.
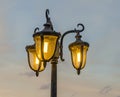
[
  {"x": 45, "y": 47},
  {"x": 78, "y": 57},
  {"x": 37, "y": 61}
]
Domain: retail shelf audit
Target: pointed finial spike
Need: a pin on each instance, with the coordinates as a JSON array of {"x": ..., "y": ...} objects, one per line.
[
  {"x": 47, "y": 13},
  {"x": 78, "y": 72},
  {"x": 37, "y": 73}
]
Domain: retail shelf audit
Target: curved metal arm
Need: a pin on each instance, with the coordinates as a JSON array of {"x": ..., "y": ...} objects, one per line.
[{"x": 68, "y": 32}]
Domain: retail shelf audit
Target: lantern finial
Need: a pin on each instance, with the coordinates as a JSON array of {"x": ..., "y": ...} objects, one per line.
[
  {"x": 37, "y": 73},
  {"x": 48, "y": 21},
  {"x": 47, "y": 13},
  {"x": 78, "y": 72}
]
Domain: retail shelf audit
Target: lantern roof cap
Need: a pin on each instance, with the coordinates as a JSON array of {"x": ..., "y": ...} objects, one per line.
[{"x": 48, "y": 27}]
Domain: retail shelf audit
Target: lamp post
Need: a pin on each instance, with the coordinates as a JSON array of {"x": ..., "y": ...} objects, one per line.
[{"x": 48, "y": 47}]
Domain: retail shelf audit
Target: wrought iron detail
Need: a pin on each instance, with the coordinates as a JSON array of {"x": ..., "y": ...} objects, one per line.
[
  {"x": 36, "y": 29},
  {"x": 68, "y": 32}
]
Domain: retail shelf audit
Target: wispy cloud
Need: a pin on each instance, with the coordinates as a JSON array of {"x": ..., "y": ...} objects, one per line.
[
  {"x": 6, "y": 48},
  {"x": 28, "y": 74},
  {"x": 105, "y": 90},
  {"x": 46, "y": 86},
  {"x": 73, "y": 95}
]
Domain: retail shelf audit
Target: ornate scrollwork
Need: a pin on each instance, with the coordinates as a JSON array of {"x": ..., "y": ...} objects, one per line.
[
  {"x": 36, "y": 29},
  {"x": 46, "y": 14},
  {"x": 68, "y": 32}
]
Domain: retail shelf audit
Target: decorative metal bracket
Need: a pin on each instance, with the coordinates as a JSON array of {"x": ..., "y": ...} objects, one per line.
[{"x": 68, "y": 32}]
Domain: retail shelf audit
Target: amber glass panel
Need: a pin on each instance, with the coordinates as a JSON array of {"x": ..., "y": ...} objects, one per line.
[
  {"x": 34, "y": 62},
  {"x": 85, "y": 48},
  {"x": 38, "y": 46},
  {"x": 76, "y": 56},
  {"x": 49, "y": 46},
  {"x": 42, "y": 66}
]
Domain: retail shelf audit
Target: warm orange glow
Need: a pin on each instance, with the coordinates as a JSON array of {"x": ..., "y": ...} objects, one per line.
[
  {"x": 78, "y": 54},
  {"x": 45, "y": 48},
  {"x": 34, "y": 62}
]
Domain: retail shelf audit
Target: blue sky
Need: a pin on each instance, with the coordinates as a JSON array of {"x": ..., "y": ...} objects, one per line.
[{"x": 100, "y": 77}]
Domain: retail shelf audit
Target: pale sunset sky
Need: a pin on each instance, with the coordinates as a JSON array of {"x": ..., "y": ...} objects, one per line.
[{"x": 101, "y": 75}]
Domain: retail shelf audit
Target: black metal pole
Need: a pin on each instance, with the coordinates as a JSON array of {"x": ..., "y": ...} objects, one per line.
[{"x": 54, "y": 77}]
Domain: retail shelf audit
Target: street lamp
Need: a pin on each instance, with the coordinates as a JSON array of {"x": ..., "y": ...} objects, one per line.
[
  {"x": 78, "y": 51},
  {"x": 48, "y": 47}
]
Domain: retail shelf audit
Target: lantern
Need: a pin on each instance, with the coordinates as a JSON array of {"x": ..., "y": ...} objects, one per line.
[
  {"x": 34, "y": 63},
  {"x": 78, "y": 51},
  {"x": 46, "y": 44},
  {"x": 46, "y": 41}
]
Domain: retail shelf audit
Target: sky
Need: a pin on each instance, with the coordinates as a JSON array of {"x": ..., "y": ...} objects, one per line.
[{"x": 101, "y": 75}]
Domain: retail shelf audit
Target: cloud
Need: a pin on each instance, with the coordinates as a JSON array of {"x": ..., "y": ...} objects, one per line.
[
  {"x": 6, "y": 48},
  {"x": 105, "y": 90},
  {"x": 73, "y": 95},
  {"x": 46, "y": 86},
  {"x": 29, "y": 74}
]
